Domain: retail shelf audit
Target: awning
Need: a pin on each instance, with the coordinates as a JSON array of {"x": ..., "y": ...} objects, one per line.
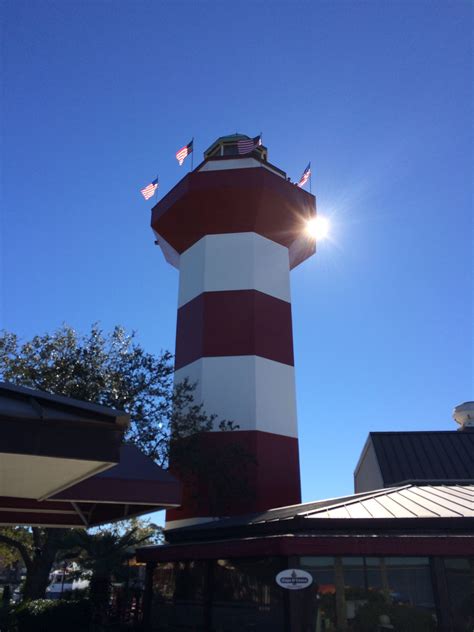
[
  {"x": 63, "y": 464},
  {"x": 134, "y": 487},
  {"x": 48, "y": 442}
]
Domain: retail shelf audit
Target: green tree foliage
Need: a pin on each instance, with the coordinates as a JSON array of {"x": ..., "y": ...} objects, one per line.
[
  {"x": 104, "y": 553},
  {"x": 108, "y": 369},
  {"x": 402, "y": 617},
  {"x": 21, "y": 535},
  {"x": 38, "y": 549},
  {"x": 142, "y": 527},
  {"x": 44, "y": 615}
]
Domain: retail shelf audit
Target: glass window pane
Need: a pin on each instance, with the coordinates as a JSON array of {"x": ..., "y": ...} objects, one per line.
[
  {"x": 460, "y": 580},
  {"x": 163, "y": 581},
  {"x": 231, "y": 150},
  {"x": 246, "y": 595},
  {"x": 316, "y": 605},
  {"x": 178, "y": 596},
  {"x": 399, "y": 588},
  {"x": 410, "y": 581},
  {"x": 352, "y": 593},
  {"x": 374, "y": 575},
  {"x": 355, "y": 585}
]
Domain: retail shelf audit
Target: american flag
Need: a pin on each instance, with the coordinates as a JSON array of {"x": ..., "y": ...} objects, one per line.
[
  {"x": 246, "y": 146},
  {"x": 149, "y": 190},
  {"x": 305, "y": 177},
  {"x": 183, "y": 152}
]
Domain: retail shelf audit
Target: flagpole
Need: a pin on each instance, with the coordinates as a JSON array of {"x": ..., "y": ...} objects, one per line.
[
  {"x": 310, "y": 176},
  {"x": 192, "y": 154}
]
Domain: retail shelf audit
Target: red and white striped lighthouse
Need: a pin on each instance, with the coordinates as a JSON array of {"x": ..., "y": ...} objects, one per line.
[{"x": 234, "y": 227}]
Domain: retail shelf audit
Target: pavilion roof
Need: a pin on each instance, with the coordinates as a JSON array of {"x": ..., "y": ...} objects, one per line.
[
  {"x": 406, "y": 520},
  {"x": 63, "y": 463}
]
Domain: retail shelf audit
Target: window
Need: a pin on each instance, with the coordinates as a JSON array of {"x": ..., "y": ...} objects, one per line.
[
  {"x": 352, "y": 593},
  {"x": 460, "y": 581},
  {"x": 246, "y": 595},
  {"x": 178, "y": 597},
  {"x": 231, "y": 150},
  {"x": 317, "y": 605}
]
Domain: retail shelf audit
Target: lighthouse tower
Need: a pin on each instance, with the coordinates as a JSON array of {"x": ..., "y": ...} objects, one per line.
[{"x": 235, "y": 227}]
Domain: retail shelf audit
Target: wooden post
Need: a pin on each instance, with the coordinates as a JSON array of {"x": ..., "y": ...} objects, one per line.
[
  {"x": 385, "y": 582},
  {"x": 341, "y": 618},
  {"x": 148, "y": 596}
]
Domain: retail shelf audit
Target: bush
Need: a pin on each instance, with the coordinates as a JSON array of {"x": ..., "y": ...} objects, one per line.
[
  {"x": 6, "y": 618},
  {"x": 404, "y": 618},
  {"x": 46, "y": 615}
]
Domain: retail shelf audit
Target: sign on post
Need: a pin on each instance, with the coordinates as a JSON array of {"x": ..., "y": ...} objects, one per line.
[{"x": 294, "y": 579}]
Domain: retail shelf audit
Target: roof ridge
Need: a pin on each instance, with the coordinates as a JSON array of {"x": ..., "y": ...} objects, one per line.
[{"x": 356, "y": 497}]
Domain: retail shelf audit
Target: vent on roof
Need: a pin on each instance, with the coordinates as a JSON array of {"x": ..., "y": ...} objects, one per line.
[{"x": 464, "y": 415}]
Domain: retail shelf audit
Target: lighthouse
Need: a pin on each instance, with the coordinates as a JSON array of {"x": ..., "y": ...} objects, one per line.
[{"x": 234, "y": 227}]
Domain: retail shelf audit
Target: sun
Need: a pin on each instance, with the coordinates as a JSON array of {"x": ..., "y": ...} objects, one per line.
[{"x": 318, "y": 227}]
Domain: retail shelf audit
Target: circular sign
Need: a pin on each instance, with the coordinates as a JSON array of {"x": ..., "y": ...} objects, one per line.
[{"x": 294, "y": 579}]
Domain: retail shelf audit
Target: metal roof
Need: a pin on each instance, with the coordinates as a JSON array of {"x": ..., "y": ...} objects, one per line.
[
  {"x": 53, "y": 453},
  {"x": 392, "y": 504},
  {"x": 48, "y": 442},
  {"x": 408, "y": 501},
  {"x": 135, "y": 486},
  {"x": 427, "y": 456},
  {"x": 19, "y": 402},
  {"x": 137, "y": 479}
]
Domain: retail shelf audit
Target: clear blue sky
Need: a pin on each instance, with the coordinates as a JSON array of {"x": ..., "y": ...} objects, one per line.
[{"x": 98, "y": 96}]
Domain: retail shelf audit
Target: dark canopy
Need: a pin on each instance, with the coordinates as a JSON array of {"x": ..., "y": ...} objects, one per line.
[{"x": 62, "y": 463}]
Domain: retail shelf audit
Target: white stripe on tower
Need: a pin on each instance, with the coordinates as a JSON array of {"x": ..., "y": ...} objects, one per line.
[
  {"x": 235, "y": 261},
  {"x": 253, "y": 392}
]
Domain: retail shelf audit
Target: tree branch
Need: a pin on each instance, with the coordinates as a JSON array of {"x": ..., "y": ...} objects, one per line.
[
  {"x": 36, "y": 537},
  {"x": 21, "y": 548}
]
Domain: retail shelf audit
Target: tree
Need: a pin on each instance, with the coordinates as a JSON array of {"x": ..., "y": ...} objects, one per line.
[
  {"x": 112, "y": 370},
  {"x": 38, "y": 549},
  {"x": 103, "y": 552}
]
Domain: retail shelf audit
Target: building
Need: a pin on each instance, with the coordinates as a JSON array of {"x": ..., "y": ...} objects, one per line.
[
  {"x": 399, "y": 554},
  {"x": 404, "y": 551},
  {"x": 389, "y": 459}
]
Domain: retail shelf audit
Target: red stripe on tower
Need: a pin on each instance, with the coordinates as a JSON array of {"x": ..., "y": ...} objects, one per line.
[
  {"x": 234, "y": 323},
  {"x": 234, "y": 227}
]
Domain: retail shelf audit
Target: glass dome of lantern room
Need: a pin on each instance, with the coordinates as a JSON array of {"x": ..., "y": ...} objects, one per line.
[{"x": 228, "y": 146}]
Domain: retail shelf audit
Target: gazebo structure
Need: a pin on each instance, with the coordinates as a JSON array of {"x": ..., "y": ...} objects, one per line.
[
  {"x": 63, "y": 464},
  {"x": 399, "y": 555},
  {"x": 402, "y": 550},
  {"x": 405, "y": 552}
]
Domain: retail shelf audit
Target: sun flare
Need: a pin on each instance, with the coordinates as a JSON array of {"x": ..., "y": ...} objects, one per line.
[{"x": 318, "y": 227}]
